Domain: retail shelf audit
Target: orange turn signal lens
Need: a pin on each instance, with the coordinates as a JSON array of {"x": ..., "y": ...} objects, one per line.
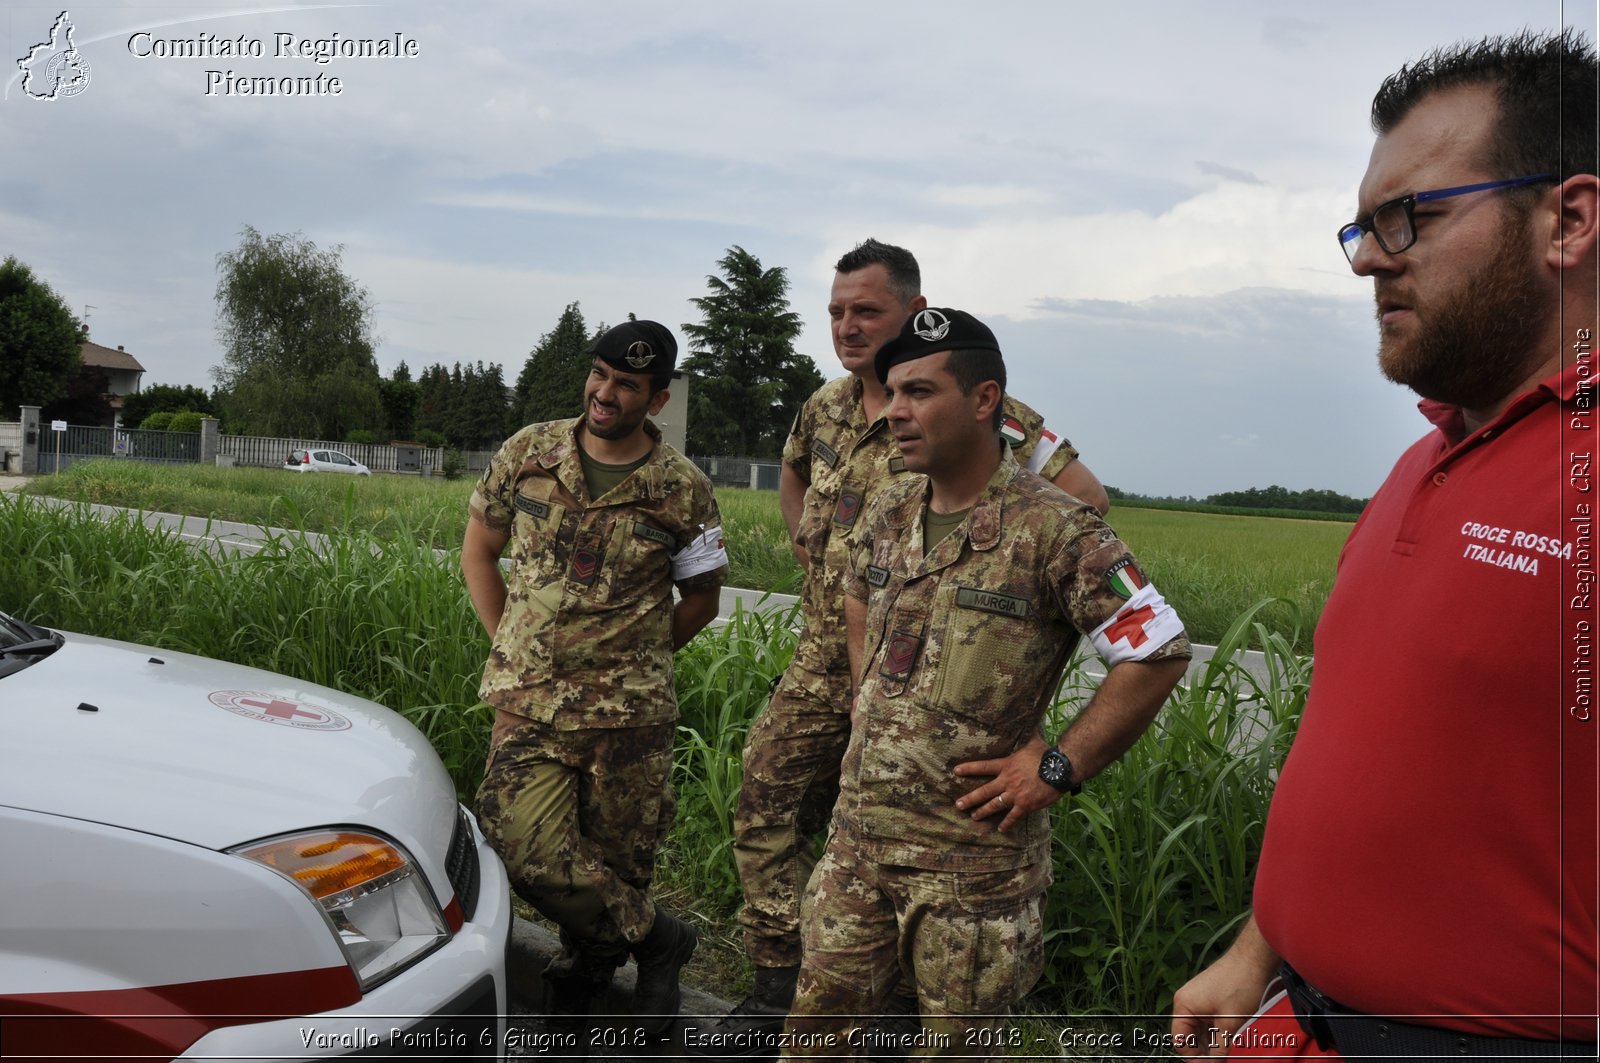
[{"x": 329, "y": 862}]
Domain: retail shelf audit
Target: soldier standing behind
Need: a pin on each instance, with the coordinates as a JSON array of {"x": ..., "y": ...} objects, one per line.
[
  {"x": 966, "y": 598},
  {"x": 839, "y": 455},
  {"x": 602, "y": 519}
]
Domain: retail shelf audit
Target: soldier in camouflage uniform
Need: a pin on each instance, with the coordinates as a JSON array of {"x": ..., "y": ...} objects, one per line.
[
  {"x": 966, "y": 596},
  {"x": 839, "y": 455},
  {"x": 602, "y": 520}
]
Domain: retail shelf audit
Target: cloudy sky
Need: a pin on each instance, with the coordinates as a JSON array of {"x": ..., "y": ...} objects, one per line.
[{"x": 1139, "y": 199}]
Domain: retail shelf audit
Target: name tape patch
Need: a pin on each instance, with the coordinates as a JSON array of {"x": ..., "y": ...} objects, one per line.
[
  {"x": 825, "y": 452},
  {"x": 877, "y": 576},
  {"x": 534, "y": 506},
  {"x": 655, "y": 535},
  {"x": 990, "y": 602}
]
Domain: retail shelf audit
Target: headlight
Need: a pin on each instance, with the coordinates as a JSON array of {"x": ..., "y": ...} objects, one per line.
[{"x": 374, "y": 895}]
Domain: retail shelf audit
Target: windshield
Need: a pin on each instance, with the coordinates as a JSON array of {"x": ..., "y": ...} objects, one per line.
[{"x": 21, "y": 644}]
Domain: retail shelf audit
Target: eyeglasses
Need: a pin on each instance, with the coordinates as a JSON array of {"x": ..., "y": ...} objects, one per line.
[{"x": 1394, "y": 224}]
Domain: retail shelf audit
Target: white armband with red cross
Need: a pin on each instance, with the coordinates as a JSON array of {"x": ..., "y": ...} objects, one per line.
[
  {"x": 703, "y": 553},
  {"x": 1144, "y": 624}
]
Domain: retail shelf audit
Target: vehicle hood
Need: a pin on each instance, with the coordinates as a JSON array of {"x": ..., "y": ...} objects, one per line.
[{"x": 210, "y": 753}]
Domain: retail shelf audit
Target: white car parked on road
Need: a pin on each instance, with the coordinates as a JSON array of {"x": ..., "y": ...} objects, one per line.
[
  {"x": 324, "y": 461},
  {"x": 200, "y": 860}
]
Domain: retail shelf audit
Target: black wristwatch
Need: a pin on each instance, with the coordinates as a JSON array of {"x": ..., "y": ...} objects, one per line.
[{"x": 1056, "y": 769}]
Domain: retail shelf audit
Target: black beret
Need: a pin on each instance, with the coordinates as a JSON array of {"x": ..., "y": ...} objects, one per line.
[
  {"x": 930, "y": 331},
  {"x": 637, "y": 347}
]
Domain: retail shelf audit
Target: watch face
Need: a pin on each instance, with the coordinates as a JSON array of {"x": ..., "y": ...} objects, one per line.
[{"x": 1053, "y": 769}]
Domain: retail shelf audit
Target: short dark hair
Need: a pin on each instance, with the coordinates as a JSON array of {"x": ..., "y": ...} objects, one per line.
[
  {"x": 972, "y": 367},
  {"x": 905, "y": 276},
  {"x": 1546, "y": 87}
]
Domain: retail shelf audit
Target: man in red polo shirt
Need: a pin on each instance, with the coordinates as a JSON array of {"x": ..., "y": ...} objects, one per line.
[{"x": 1427, "y": 885}]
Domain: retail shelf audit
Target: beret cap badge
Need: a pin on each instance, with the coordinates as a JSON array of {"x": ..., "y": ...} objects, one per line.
[
  {"x": 640, "y": 354},
  {"x": 930, "y": 325}
]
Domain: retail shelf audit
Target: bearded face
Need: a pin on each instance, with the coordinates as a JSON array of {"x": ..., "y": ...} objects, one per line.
[{"x": 1473, "y": 343}]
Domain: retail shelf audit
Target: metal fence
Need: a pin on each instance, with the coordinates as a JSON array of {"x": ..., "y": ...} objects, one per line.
[
  {"x": 272, "y": 452},
  {"x": 59, "y": 451},
  {"x": 10, "y": 446},
  {"x": 757, "y": 473}
]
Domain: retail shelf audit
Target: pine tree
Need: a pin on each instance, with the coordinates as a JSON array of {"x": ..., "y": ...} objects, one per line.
[
  {"x": 748, "y": 381},
  {"x": 550, "y": 386}
]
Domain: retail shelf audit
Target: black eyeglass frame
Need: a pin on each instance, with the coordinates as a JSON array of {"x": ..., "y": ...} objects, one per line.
[{"x": 1350, "y": 235}]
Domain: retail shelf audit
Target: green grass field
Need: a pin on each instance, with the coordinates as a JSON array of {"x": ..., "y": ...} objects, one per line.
[{"x": 1210, "y": 567}]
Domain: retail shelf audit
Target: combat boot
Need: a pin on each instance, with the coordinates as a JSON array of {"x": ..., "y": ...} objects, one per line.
[
  {"x": 659, "y": 957},
  {"x": 569, "y": 999},
  {"x": 751, "y": 1029}
]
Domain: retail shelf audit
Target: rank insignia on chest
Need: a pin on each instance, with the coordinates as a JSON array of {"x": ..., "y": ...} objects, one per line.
[
  {"x": 900, "y": 656},
  {"x": 877, "y": 576},
  {"x": 829, "y": 456},
  {"x": 897, "y": 465},
  {"x": 1124, "y": 578},
  {"x": 848, "y": 509},
  {"x": 585, "y": 567},
  {"x": 533, "y": 506},
  {"x": 1011, "y": 431}
]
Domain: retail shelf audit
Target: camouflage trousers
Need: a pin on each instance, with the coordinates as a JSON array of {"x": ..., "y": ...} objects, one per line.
[
  {"x": 973, "y": 941},
  {"x": 577, "y": 817},
  {"x": 791, "y": 780}
]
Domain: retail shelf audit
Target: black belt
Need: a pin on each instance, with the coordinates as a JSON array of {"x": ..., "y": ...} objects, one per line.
[{"x": 1356, "y": 1035}]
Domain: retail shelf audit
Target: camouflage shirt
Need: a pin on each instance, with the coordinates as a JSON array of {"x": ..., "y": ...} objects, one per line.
[
  {"x": 586, "y": 636},
  {"x": 845, "y": 462},
  {"x": 963, "y": 652}
]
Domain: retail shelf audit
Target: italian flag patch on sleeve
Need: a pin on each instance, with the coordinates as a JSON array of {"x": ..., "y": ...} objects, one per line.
[{"x": 1125, "y": 578}]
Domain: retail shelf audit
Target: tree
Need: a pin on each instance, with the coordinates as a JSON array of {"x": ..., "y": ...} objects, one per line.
[
  {"x": 550, "y": 385},
  {"x": 749, "y": 382},
  {"x": 297, "y": 340},
  {"x": 84, "y": 401},
  {"x": 485, "y": 409},
  {"x": 466, "y": 407},
  {"x": 400, "y": 395},
  {"x": 39, "y": 341},
  {"x": 163, "y": 397}
]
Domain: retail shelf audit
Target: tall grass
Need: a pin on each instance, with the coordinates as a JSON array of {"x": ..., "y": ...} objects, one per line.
[
  {"x": 1153, "y": 861},
  {"x": 386, "y": 621},
  {"x": 724, "y": 678}
]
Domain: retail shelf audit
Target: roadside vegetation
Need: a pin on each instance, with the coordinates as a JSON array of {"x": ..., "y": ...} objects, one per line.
[
  {"x": 1153, "y": 862},
  {"x": 1211, "y": 567}
]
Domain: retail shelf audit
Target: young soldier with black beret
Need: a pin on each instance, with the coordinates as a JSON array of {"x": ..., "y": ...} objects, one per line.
[{"x": 602, "y": 520}]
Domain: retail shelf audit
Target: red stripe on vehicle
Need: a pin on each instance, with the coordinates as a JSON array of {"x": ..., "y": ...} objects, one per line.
[{"x": 161, "y": 1021}]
